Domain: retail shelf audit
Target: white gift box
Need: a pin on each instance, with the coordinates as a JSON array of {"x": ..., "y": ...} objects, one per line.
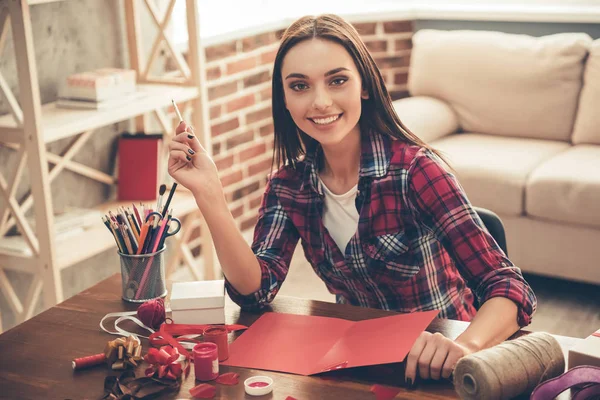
[
  {"x": 586, "y": 352},
  {"x": 201, "y": 302}
]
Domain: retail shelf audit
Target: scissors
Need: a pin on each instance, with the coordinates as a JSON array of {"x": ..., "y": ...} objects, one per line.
[{"x": 173, "y": 219}]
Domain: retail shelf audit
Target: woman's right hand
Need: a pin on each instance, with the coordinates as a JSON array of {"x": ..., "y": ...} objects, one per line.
[{"x": 190, "y": 165}]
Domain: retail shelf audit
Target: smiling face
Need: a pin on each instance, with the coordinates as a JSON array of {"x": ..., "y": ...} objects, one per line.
[{"x": 323, "y": 90}]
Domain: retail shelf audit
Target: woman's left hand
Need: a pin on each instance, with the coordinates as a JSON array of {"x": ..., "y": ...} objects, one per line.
[{"x": 433, "y": 356}]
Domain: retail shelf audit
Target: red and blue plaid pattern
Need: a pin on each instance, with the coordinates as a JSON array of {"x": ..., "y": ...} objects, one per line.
[{"x": 419, "y": 243}]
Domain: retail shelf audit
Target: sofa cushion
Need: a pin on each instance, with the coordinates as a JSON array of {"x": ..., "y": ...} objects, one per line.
[
  {"x": 502, "y": 84},
  {"x": 587, "y": 123},
  {"x": 493, "y": 170},
  {"x": 426, "y": 117},
  {"x": 566, "y": 187}
]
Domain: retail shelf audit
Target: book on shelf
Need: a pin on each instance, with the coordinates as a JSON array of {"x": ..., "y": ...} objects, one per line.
[
  {"x": 79, "y": 104},
  {"x": 99, "y": 85}
]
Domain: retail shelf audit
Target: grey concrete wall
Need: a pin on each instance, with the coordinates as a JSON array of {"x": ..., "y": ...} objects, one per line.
[
  {"x": 527, "y": 28},
  {"x": 70, "y": 36}
]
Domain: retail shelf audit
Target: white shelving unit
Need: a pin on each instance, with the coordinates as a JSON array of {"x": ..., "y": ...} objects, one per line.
[{"x": 30, "y": 126}]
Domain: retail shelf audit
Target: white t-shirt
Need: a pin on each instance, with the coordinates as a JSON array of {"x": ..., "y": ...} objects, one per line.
[{"x": 340, "y": 216}]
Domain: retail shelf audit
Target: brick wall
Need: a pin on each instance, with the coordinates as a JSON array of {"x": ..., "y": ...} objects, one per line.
[{"x": 239, "y": 90}]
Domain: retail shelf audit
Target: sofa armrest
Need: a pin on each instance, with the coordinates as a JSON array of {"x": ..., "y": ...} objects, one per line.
[{"x": 427, "y": 117}]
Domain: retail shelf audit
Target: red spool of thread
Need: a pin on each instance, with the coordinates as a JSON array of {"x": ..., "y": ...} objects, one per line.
[
  {"x": 206, "y": 361},
  {"x": 89, "y": 361},
  {"x": 218, "y": 336}
]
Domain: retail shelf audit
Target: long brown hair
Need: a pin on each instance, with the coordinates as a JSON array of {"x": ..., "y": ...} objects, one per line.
[{"x": 378, "y": 114}]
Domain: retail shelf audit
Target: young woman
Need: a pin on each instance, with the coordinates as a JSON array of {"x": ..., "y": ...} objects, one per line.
[{"x": 381, "y": 220}]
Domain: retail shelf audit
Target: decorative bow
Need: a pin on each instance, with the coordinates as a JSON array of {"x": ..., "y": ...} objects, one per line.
[
  {"x": 123, "y": 352},
  {"x": 164, "y": 362}
]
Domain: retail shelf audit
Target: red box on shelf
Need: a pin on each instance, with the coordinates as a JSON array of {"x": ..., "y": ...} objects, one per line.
[{"x": 139, "y": 166}]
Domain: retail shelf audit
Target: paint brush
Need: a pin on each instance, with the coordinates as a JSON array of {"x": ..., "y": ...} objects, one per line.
[
  {"x": 161, "y": 191},
  {"x": 166, "y": 207},
  {"x": 177, "y": 111}
]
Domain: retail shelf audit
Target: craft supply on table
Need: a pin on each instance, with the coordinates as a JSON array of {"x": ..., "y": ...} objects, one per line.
[
  {"x": 586, "y": 352},
  {"x": 152, "y": 313},
  {"x": 206, "y": 361},
  {"x": 123, "y": 352},
  {"x": 165, "y": 363},
  {"x": 89, "y": 361},
  {"x": 583, "y": 382},
  {"x": 140, "y": 235},
  {"x": 509, "y": 369},
  {"x": 218, "y": 336},
  {"x": 127, "y": 386},
  {"x": 258, "y": 385},
  {"x": 118, "y": 355},
  {"x": 201, "y": 302},
  {"x": 290, "y": 340}
]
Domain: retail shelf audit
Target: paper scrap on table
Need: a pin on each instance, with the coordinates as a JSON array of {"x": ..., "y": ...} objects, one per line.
[{"x": 307, "y": 345}]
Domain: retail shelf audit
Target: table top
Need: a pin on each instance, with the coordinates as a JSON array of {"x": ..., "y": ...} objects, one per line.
[{"x": 36, "y": 356}]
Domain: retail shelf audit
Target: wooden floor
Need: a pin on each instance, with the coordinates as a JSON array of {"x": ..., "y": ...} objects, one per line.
[{"x": 565, "y": 308}]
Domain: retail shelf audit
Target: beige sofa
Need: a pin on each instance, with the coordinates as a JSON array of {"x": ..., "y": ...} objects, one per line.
[{"x": 518, "y": 117}]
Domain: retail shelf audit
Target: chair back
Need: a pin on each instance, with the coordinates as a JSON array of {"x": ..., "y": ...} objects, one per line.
[{"x": 494, "y": 225}]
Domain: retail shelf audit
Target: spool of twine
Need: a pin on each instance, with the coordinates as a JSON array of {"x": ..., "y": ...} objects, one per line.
[{"x": 510, "y": 368}]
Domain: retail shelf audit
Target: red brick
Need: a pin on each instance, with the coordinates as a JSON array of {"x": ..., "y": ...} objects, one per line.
[
  {"x": 237, "y": 212},
  {"x": 259, "y": 115},
  {"x": 397, "y": 26},
  {"x": 268, "y": 57},
  {"x": 393, "y": 61},
  {"x": 239, "y": 103},
  {"x": 255, "y": 202},
  {"x": 245, "y": 190},
  {"x": 270, "y": 142},
  {"x": 267, "y": 130},
  {"x": 215, "y": 112},
  {"x": 230, "y": 178},
  {"x": 248, "y": 223},
  {"x": 213, "y": 73},
  {"x": 403, "y": 44},
  {"x": 398, "y": 94},
  {"x": 224, "y": 163},
  {"x": 222, "y": 90},
  {"x": 366, "y": 28},
  {"x": 219, "y": 129},
  {"x": 253, "y": 151},
  {"x": 241, "y": 138},
  {"x": 241, "y": 65},
  {"x": 386, "y": 77},
  {"x": 265, "y": 94},
  {"x": 216, "y": 148},
  {"x": 262, "y": 167},
  {"x": 376, "y": 46},
  {"x": 400, "y": 78},
  {"x": 220, "y": 51},
  {"x": 254, "y": 42},
  {"x": 257, "y": 79}
]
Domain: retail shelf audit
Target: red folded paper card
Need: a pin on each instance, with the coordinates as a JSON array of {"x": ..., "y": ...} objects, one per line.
[{"x": 307, "y": 345}]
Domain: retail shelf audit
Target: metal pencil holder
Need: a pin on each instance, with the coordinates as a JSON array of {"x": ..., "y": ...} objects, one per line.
[{"x": 143, "y": 276}]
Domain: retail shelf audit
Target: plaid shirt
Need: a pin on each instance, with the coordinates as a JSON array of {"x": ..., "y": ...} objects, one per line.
[{"x": 419, "y": 243}]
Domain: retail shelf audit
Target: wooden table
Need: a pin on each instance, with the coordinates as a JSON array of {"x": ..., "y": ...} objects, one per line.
[{"x": 35, "y": 357}]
